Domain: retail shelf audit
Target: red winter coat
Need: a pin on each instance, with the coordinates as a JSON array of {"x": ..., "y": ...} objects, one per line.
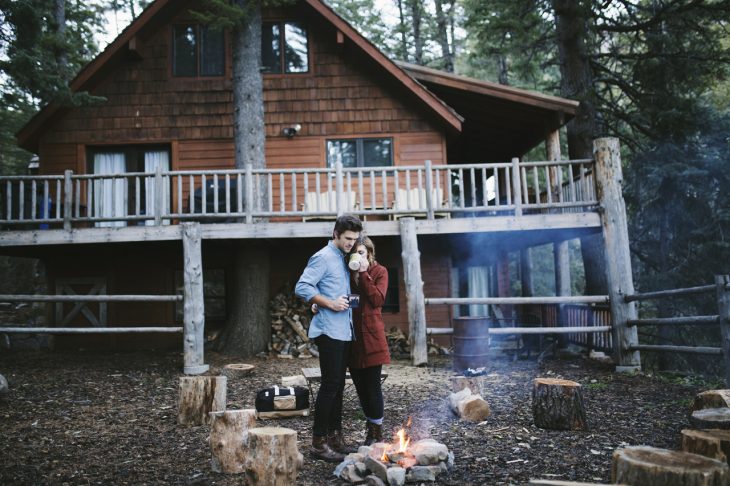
[{"x": 370, "y": 347}]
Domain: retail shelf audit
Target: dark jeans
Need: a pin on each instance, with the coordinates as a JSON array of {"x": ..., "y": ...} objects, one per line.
[
  {"x": 333, "y": 356},
  {"x": 369, "y": 390}
]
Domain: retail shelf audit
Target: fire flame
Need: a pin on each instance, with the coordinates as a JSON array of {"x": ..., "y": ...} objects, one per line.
[
  {"x": 384, "y": 457},
  {"x": 403, "y": 440}
]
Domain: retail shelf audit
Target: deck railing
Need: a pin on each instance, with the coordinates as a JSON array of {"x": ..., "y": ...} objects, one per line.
[{"x": 243, "y": 195}]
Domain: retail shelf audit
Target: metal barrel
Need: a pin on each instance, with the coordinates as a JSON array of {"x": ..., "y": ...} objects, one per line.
[{"x": 471, "y": 342}]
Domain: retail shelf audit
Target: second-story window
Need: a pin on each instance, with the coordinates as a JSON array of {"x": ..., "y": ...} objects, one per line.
[
  {"x": 360, "y": 152},
  {"x": 284, "y": 48},
  {"x": 197, "y": 51}
]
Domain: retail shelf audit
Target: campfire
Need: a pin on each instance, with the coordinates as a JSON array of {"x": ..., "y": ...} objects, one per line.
[{"x": 398, "y": 462}]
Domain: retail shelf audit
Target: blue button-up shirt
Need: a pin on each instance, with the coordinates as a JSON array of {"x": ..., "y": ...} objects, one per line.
[{"x": 327, "y": 275}]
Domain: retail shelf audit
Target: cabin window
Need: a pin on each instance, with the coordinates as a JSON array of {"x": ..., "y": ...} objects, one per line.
[
  {"x": 360, "y": 152},
  {"x": 197, "y": 51},
  {"x": 284, "y": 48}
]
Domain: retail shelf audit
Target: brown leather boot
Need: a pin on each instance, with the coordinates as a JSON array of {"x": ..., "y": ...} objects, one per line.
[
  {"x": 337, "y": 443},
  {"x": 321, "y": 450},
  {"x": 375, "y": 433}
]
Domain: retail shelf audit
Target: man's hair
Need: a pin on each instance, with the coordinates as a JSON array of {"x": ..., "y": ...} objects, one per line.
[{"x": 347, "y": 222}]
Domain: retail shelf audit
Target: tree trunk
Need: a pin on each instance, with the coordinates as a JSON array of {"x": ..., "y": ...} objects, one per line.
[
  {"x": 650, "y": 466},
  {"x": 558, "y": 404},
  {"x": 248, "y": 329},
  {"x": 711, "y": 418},
  {"x": 443, "y": 34},
  {"x": 273, "y": 458},
  {"x": 59, "y": 20},
  {"x": 711, "y": 399},
  {"x": 403, "y": 38},
  {"x": 200, "y": 395},
  {"x": 713, "y": 443},
  {"x": 416, "y": 18},
  {"x": 229, "y": 439}
]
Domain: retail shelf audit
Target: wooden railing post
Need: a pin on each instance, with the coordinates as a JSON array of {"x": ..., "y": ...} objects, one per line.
[
  {"x": 193, "y": 305},
  {"x": 723, "y": 304},
  {"x": 158, "y": 195},
  {"x": 617, "y": 257},
  {"x": 429, "y": 190},
  {"x": 249, "y": 193},
  {"x": 67, "y": 199},
  {"x": 516, "y": 186},
  {"x": 339, "y": 189},
  {"x": 414, "y": 291}
]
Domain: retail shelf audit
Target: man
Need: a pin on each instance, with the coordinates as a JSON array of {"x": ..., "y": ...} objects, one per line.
[{"x": 326, "y": 283}]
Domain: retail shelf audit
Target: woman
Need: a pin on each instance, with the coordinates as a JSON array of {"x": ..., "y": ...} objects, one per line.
[{"x": 369, "y": 351}]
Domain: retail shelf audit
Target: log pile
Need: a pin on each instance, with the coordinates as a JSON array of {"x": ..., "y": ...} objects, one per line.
[
  {"x": 400, "y": 347},
  {"x": 290, "y": 318}
]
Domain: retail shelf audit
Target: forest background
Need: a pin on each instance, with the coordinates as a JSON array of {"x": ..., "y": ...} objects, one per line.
[{"x": 653, "y": 73}]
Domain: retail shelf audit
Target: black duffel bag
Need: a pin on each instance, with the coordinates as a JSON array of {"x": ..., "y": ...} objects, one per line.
[{"x": 276, "y": 399}]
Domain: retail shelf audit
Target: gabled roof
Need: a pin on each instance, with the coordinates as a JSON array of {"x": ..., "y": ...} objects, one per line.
[{"x": 446, "y": 96}]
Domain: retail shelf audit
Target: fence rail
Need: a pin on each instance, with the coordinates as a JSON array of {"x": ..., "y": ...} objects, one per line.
[{"x": 164, "y": 197}]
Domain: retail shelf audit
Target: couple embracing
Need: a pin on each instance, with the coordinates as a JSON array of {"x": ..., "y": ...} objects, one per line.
[{"x": 347, "y": 334}]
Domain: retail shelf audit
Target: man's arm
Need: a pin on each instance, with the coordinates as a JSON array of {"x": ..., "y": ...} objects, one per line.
[{"x": 307, "y": 290}]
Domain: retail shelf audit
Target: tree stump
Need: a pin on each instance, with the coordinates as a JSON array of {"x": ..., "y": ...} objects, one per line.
[
  {"x": 229, "y": 439},
  {"x": 200, "y": 395},
  {"x": 711, "y": 418},
  {"x": 558, "y": 404},
  {"x": 650, "y": 466},
  {"x": 468, "y": 406},
  {"x": 712, "y": 443},
  {"x": 273, "y": 458},
  {"x": 711, "y": 399},
  {"x": 237, "y": 370}
]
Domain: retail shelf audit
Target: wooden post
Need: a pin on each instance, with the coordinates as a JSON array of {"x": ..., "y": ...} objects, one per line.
[
  {"x": 607, "y": 154},
  {"x": 340, "y": 189},
  {"x": 67, "y": 199},
  {"x": 723, "y": 305},
  {"x": 229, "y": 439},
  {"x": 414, "y": 291},
  {"x": 429, "y": 191},
  {"x": 249, "y": 193},
  {"x": 193, "y": 306},
  {"x": 200, "y": 395},
  {"x": 158, "y": 195},
  {"x": 516, "y": 186}
]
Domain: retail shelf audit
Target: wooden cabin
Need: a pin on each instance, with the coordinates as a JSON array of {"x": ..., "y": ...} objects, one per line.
[{"x": 347, "y": 130}]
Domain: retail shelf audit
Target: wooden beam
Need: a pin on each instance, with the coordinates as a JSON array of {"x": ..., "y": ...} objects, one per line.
[
  {"x": 194, "y": 308},
  {"x": 576, "y": 299},
  {"x": 414, "y": 292},
  {"x": 89, "y": 330},
  {"x": 723, "y": 305},
  {"x": 609, "y": 178},
  {"x": 91, "y": 298}
]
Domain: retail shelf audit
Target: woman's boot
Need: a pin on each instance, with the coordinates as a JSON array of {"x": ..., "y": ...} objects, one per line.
[
  {"x": 375, "y": 433},
  {"x": 337, "y": 443},
  {"x": 321, "y": 450}
]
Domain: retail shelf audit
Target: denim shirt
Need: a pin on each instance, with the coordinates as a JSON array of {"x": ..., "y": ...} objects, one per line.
[{"x": 327, "y": 275}]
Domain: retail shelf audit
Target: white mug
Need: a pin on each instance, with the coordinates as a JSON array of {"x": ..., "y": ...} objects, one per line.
[{"x": 354, "y": 262}]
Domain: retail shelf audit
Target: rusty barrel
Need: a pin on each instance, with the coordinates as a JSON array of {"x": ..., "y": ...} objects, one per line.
[{"x": 471, "y": 342}]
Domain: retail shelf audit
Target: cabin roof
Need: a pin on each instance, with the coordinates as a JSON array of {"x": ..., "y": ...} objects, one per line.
[{"x": 458, "y": 102}]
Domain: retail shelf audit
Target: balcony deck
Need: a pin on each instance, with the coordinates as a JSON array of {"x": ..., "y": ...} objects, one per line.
[{"x": 297, "y": 203}]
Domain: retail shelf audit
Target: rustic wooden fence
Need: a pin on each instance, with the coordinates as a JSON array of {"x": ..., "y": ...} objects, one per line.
[
  {"x": 162, "y": 197},
  {"x": 721, "y": 289},
  {"x": 192, "y": 299}
]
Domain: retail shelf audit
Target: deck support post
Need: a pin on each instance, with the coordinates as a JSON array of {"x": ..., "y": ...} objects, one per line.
[
  {"x": 609, "y": 178},
  {"x": 414, "y": 292},
  {"x": 723, "y": 305},
  {"x": 193, "y": 306},
  {"x": 528, "y": 289}
]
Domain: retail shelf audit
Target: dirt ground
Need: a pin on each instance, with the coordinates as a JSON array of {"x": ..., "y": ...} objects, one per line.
[{"x": 101, "y": 418}]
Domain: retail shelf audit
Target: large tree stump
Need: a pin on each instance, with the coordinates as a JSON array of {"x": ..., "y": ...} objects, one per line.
[
  {"x": 711, "y": 418},
  {"x": 200, "y": 395},
  {"x": 273, "y": 458},
  {"x": 558, "y": 404},
  {"x": 229, "y": 439},
  {"x": 650, "y": 466},
  {"x": 711, "y": 399},
  {"x": 712, "y": 443}
]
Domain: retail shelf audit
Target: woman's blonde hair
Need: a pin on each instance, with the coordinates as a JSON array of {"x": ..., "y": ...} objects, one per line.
[{"x": 369, "y": 245}]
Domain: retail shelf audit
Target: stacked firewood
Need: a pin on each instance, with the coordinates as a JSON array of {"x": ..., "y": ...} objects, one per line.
[
  {"x": 400, "y": 348},
  {"x": 290, "y": 319}
]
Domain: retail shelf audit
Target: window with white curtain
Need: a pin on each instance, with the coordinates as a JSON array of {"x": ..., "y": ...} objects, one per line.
[{"x": 119, "y": 197}]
